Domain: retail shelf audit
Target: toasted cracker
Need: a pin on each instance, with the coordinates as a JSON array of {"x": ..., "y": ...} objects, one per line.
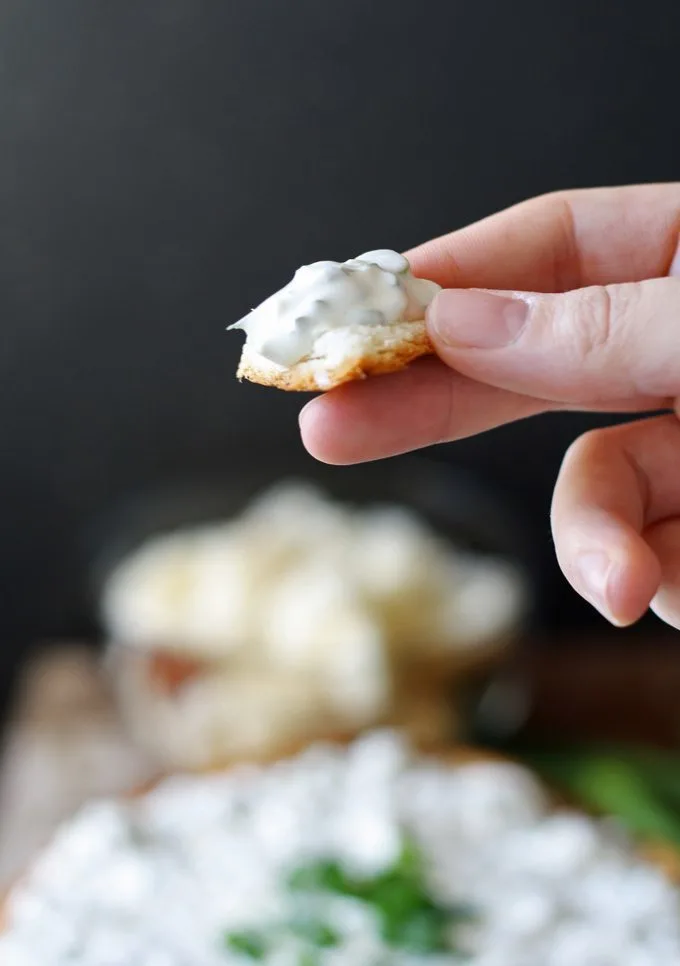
[{"x": 385, "y": 349}]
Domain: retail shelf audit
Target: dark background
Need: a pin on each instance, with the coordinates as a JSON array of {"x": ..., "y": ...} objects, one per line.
[{"x": 165, "y": 164}]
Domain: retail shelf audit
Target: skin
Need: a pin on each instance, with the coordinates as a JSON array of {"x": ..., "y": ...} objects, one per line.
[{"x": 586, "y": 285}]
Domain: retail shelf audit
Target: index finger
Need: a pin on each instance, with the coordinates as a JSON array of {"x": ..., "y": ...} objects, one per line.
[{"x": 561, "y": 241}]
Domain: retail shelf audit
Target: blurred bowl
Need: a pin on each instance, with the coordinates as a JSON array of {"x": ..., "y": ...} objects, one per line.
[
  {"x": 196, "y": 713},
  {"x": 459, "y": 507}
]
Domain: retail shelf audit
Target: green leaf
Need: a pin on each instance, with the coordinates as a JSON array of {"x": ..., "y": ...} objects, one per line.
[
  {"x": 614, "y": 784},
  {"x": 661, "y": 771}
]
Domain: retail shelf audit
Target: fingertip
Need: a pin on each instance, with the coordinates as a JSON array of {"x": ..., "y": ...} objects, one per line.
[
  {"x": 422, "y": 405},
  {"x": 377, "y": 417},
  {"x": 604, "y": 495},
  {"x": 314, "y": 422},
  {"x": 664, "y": 538},
  {"x": 632, "y": 584},
  {"x": 618, "y": 573}
]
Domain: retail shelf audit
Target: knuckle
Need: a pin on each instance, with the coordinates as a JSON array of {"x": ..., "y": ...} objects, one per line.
[
  {"x": 619, "y": 337},
  {"x": 593, "y": 321}
]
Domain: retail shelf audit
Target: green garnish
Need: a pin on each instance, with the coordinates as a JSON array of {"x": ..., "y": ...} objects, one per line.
[
  {"x": 409, "y": 918},
  {"x": 315, "y": 932},
  {"x": 420, "y": 931},
  {"x": 641, "y": 789},
  {"x": 255, "y": 944},
  {"x": 324, "y": 876},
  {"x": 249, "y": 944}
]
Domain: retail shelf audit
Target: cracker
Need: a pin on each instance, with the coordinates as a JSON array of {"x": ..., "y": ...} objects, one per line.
[{"x": 381, "y": 350}]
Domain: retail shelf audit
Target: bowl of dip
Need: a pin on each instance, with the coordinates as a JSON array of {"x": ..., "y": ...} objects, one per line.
[{"x": 352, "y": 855}]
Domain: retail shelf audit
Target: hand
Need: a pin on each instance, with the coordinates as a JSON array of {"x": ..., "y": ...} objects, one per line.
[{"x": 606, "y": 338}]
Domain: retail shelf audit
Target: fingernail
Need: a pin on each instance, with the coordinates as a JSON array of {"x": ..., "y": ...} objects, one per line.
[
  {"x": 476, "y": 320},
  {"x": 593, "y": 568}
]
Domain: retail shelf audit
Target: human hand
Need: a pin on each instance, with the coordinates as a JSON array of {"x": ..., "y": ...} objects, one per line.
[{"x": 581, "y": 312}]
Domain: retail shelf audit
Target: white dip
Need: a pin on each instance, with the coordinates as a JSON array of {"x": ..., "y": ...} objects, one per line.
[
  {"x": 374, "y": 289},
  {"x": 197, "y": 873}
]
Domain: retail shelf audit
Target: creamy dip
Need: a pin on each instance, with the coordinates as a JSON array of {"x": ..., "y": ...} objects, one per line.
[
  {"x": 253, "y": 865},
  {"x": 374, "y": 289}
]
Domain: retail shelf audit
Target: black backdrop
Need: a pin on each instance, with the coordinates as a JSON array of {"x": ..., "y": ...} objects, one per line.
[{"x": 164, "y": 164}]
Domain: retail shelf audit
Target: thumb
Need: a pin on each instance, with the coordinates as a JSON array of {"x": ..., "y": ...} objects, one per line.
[{"x": 586, "y": 346}]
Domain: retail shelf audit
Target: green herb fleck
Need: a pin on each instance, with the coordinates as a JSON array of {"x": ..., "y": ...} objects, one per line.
[
  {"x": 422, "y": 931},
  {"x": 320, "y": 876},
  {"x": 249, "y": 944},
  {"x": 316, "y": 933}
]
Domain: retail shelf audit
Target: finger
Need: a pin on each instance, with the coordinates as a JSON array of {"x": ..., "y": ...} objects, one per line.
[
  {"x": 615, "y": 341},
  {"x": 615, "y": 486},
  {"x": 421, "y": 406},
  {"x": 561, "y": 241},
  {"x": 664, "y": 539}
]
